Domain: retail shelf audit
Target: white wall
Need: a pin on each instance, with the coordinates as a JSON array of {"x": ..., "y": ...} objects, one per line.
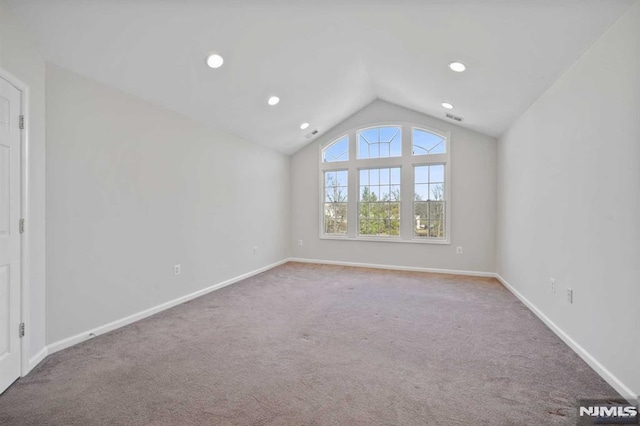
[
  {"x": 124, "y": 176},
  {"x": 473, "y": 226},
  {"x": 133, "y": 189},
  {"x": 569, "y": 202},
  {"x": 19, "y": 57}
]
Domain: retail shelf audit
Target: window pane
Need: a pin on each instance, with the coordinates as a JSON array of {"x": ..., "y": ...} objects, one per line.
[
  {"x": 383, "y": 227},
  {"x": 341, "y": 177},
  {"x": 421, "y": 174},
  {"x": 365, "y": 193},
  {"x": 394, "y": 211},
  {"x": 436, "y": 191},
  {"x": 364, "y": 212},
  {"x": 363, "y": 147},
  {"x": 384, "y": 150},
  {"x": 421, "y": 218},
  {"x": 395, "y": 193},
  {"x": 384, "y": 211},
  {"x": 436, "y": 173},
  {"x": 336, "y": 151},
  {"x": 336, "y": 194},
  {"x": 364, "y": 227},
  {"x": 384, "y": 192},
  {"x": 380, "y": 142},
  {"x": 421, "y": 210},
  {"x": 436, "y": 219},
  {"x": 421, "y": 190},
  {"x": 370, "y": 135},
  {"x": 375, "y": 193},
  {"x": 394, "y": 227},
  {"x": 388, "y": 133},
  {"x": 335, "y": 218},
  {"x": 329, "y": 178},
  {"x": 384, "y": 176},
  {"x": 374, "y": 177},
  {"x": 396, "y": 149},
  {"x": 429, "y": 219},
  {"x": 427, "y": 143},
  {"x": 395, "y": 176},
  {"x": 364, "y": 177}
]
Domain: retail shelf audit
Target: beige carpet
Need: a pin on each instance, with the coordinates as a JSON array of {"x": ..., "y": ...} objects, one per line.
[{"x": 318, "y": 345}]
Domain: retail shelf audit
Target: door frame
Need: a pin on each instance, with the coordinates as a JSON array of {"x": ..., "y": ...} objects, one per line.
[{"x": 24, "y": 210}]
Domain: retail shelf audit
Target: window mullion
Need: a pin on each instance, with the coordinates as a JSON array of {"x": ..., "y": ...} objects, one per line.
[
  {"x": 352, "y": 205},
  {"x": 406, "y": 190}
]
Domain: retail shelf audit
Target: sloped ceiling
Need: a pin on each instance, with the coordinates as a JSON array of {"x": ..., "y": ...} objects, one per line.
[{"x": 324, "y": 59}]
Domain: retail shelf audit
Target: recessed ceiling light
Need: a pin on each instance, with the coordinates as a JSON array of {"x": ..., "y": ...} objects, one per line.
[
  {"x": 304, "y": 126},
  {"x": 457, "y": 66},
  {"x": 447, "y": 105},
  {"x": 273, "y": 100},
  {"x": 214, "y": 60}
]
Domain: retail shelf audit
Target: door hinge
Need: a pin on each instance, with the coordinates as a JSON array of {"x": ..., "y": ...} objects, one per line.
[
  {"x": 21, "y": 226},
  {"x": 22, "y": 122},
  {"x": 21, "y": 330}
]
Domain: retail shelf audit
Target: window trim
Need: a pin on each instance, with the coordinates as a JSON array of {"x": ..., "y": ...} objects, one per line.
[{"x": 406, "y": 162}]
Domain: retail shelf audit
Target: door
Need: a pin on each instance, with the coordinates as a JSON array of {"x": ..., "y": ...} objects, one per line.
[{"x": 10, "y": 199}]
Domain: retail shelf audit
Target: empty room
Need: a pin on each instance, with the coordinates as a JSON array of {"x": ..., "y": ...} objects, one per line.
[{"x": 375, "y": 212}]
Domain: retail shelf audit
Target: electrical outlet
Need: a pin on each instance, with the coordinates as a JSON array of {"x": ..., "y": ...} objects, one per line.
[
  {"x": 300, "y": 242},
  {"x": 553, "y": 285},
  {"x": 569, "y": 295},
  {"x": 458, "y": 250},
  {"x": 255, "y": 249},
  {"x": 177, "y": 269}
]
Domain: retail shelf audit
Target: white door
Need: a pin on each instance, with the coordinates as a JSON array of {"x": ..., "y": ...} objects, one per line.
[{"x": 9, "y": 234}]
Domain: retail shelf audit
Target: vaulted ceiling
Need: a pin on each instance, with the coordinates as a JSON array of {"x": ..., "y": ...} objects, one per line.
[{"x": 325, "y": 59}]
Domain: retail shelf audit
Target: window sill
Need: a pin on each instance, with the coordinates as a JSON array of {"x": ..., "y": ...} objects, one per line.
[{"x": 385, "y": 240}]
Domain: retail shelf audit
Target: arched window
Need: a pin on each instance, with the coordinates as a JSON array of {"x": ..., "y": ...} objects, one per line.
[
  {"x": 427, "y": 143},
  {"x": 380, "y": 142},
  {"x": 337, "y": 150},
  {"x": 393, "y": 187}
]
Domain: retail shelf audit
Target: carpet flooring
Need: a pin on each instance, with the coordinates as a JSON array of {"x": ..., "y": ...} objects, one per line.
[{"x": 318, "y": 345}]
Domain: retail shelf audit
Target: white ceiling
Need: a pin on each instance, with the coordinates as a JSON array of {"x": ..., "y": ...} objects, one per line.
[{"x": 325, "y": 59}]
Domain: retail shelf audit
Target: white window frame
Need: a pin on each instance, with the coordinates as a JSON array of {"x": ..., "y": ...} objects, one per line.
[{"x": 406, "y": 163}]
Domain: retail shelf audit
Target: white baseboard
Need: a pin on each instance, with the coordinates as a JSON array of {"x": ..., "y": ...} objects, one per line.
[
  {"x": 609, "y": 377},
  {"x": 614, "y": 381},
  {"x": 36, "y": 359},
  {"x": 86, "y": 335},
  {"x": 395, "y": 267}
]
